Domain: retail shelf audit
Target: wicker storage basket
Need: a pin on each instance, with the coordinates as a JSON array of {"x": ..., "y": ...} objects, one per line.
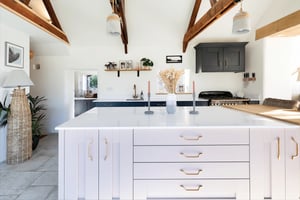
[{"x": 19, "y": 132}]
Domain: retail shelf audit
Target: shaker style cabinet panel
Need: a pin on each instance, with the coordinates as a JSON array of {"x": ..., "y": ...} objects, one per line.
[
  {"x": 292, "y": 140},
  {"x": 80, "y": 165},
  {"x": 95, "y": 164},
  {"x": 220, "y": 57},
  {"x": 274, "y": 163}
]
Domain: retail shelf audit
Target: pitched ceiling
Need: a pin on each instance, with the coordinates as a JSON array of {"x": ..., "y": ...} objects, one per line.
[{"x": 149, "y": 22}]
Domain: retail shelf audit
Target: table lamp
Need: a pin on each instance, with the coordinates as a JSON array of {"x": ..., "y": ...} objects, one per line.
[{"x": 19, "y": 132}]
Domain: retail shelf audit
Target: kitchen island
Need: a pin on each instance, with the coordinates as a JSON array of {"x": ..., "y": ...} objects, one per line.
[{"x": 122, "y": 153}]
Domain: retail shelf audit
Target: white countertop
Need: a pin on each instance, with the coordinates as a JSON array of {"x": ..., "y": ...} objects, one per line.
[{"x": 134, "y": 117}]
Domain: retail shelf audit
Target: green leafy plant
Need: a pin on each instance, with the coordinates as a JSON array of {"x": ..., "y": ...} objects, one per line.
[
  {"x": 37, "y": 115},
  {"x": 4, "y": 110},
  {"x": 147, "y": 62}
]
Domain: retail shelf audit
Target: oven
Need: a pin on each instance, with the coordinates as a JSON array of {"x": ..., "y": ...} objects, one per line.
[{"x": 219, "y": 98}]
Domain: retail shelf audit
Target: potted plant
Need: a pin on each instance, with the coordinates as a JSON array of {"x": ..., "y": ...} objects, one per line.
[
  {"x": 146, "y": 63},
  {"x": 4, "y": 110},
  {"x": 37, "y": 116}
]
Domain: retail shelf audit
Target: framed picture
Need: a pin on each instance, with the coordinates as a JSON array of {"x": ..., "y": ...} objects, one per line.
[
  {"x": 126, "y": 64},
  {"x": 14, "y": 55},
  {"x": 174, "y": 59}
]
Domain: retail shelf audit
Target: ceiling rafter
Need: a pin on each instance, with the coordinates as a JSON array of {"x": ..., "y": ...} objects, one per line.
[
  {"x": 26, "y": 13},
  {"x": 51, "y": 12},
  {"x": 119, "y": 9},
  {"x": 26, "y": 2},
  {"x": 218, "y": 9}
]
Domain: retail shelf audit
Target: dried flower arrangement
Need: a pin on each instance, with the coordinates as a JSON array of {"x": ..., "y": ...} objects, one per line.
[{"x": 170, "y": 78}]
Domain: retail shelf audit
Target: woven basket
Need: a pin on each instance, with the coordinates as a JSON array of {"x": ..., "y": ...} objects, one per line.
[{"x": 19, "y": 132}]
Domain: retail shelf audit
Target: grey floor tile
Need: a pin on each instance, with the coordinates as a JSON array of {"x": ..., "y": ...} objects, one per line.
[
  {"x": 36, "y": 178},
  {"x": 18, "y": 180},
  {"x": 50, "y": 165},
  {"x": 36, "y": 193},
  {"x": 8, "y": 197},
  {"x": 53, "y": 195},
  {"x": 47, "y": 178}
]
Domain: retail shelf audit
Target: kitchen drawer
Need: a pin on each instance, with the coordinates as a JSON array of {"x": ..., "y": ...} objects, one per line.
[
  {"x": 210, "y": 189},
  {"x": 191, "y": 136},
  {"x": 191, "y": 170},
  {"x": 191, "y": 153}
]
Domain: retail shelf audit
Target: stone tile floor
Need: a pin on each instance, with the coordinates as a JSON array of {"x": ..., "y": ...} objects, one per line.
[{"x": 36, "y": 178}]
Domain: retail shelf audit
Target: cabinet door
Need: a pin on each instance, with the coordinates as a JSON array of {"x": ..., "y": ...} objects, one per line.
[
  {"x": 81, "y": 164},
  {"x": 116, "y": 164},
  {"x": 210, "y": 59},
  {"x": 267, "y": 163},
  {"x": 234, "y": 59},
  {"x": 292, "y": 164}
]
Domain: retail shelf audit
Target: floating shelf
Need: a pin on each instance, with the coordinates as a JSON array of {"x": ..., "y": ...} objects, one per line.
[
  {"x": 127, "y": 70},
  {"x": 250, "y": 79}
]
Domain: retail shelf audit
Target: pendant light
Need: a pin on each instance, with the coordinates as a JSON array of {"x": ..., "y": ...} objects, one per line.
[
  {"x": 241, "y": 22},
  {"x": 113, "y": 22}
]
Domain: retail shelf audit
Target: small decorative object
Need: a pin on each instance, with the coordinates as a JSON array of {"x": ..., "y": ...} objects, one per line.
[
  {"x": 148, "y": 112},
  {"x": 110, "y": 65},
  {"x": 146, "y": 63},
  {"x": 14, "y": 55},
  {"x": 170, "y": 78},
  {"x": 194, "y": 111},
  {"x": 174, "y": 59}
]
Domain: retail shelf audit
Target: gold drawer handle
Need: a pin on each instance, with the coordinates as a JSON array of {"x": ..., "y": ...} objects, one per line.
[
  {"x": 191, "y": 138},
  {"x": 197, "y": 172},
  {"x": 197, "y": 155},
  {"x": 106, "y": 149},
  {"x": 195, "y": 189},
  {"x": 90, "y": 155},
  {"x": 278, "y": 148},
  {"x": 297, "y": 149}
]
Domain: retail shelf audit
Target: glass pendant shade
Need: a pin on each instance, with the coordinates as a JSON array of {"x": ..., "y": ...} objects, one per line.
[
  {"x": 241, "y": 22},
  {"x": 113, "y": 24}
]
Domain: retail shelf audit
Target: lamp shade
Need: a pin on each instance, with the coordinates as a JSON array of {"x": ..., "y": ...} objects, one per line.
[
  {"x": 241, "y": 22},
  {"x": 17, "y": 78},
  {"x": 113, "y": 24}
]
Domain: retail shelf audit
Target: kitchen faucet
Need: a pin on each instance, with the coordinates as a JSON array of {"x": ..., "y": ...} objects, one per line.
[{"x": 135, "y": 96}]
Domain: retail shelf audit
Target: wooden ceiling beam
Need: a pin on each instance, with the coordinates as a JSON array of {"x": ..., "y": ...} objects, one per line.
[
  {"x": 27, "y": 14},
  {"x": 26, "y": 2},
  {"x": 213, "y": 2},
  {"x": 119, "y": 9},
  {"x": 286, "y": 26},
  {"x": 219, "y": 9},
  {"x": 193, "y": 18},
  {"x": 52, "y": 14}
]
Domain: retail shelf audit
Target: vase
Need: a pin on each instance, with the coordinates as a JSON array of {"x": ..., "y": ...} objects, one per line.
[{"x": 171, "y": 103}]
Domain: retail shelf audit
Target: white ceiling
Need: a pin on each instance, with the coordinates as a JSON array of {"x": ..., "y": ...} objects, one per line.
[{"x": 149, "y": 22}]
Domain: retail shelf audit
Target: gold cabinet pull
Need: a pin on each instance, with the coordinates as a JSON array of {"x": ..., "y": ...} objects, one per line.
[
  {"x": 90, "y": 155},
  {"x": 106, "y": 148},
  {"x": 190, "y": 189},
  {"x": 191, "y": 138},
  {"x": 197, "y": 155},
  {"x": 297, "y": 148},
  {"x": 195, "y": 173},
  {"x": 278, "y": 148}
]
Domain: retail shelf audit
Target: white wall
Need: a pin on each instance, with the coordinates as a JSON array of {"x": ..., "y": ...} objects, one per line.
[
  {"x": 274, "y": 59},
  {"x": 9, "y": 34}
]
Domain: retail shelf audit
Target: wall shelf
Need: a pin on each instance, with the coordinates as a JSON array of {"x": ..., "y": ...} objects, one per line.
[
  {"x": 127, "y": 70},
  {"x": 249, "y": 79}
]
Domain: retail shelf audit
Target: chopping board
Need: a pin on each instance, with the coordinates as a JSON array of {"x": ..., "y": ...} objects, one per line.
[{"x": 287, "y": 115}]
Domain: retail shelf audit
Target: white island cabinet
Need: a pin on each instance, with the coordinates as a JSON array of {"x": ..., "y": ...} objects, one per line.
[{"x": 121, "y": 153}]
